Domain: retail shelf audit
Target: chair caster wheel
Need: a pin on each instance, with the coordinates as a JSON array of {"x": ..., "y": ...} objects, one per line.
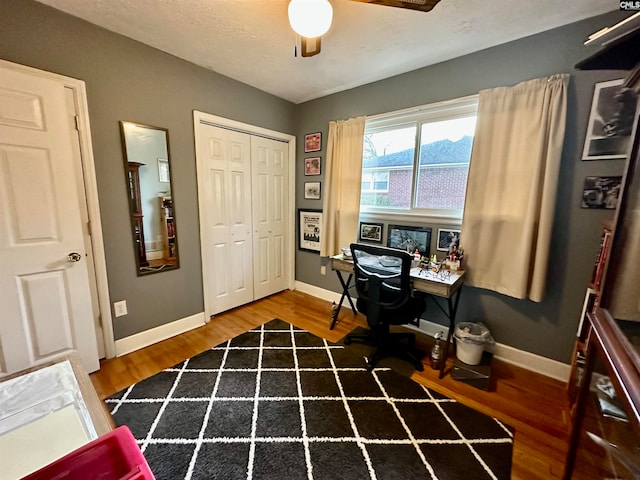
[
  {"x": 368, "y": 365},
  {"x": 347, "y": 341}
]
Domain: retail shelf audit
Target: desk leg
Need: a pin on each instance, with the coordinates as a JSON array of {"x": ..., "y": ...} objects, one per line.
[
  {"x": 453, "y": 309},
  {"x": 345, "y": 293}
]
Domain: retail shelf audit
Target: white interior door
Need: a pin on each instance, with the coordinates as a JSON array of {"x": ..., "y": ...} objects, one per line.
[
  {"x": 46, "y": 298},
  {"x": 224, "y": 173},
  {"x": 271, "y": 242}
]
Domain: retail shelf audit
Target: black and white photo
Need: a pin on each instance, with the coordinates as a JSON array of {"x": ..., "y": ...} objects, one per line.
[
  {"x": 601, "y": 192},
  {"x": 447, "y": 239},
  {"x": 612, "y": 122},
  {"x": 370, "y": 232},
  {"x": 312, "y": 190},
  {"x": 410, "y": 238}
]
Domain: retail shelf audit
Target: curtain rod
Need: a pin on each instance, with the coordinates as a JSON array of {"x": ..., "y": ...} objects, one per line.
[{"x": 418, "y": 109}]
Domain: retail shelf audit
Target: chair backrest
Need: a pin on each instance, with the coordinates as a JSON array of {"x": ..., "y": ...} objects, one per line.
[{"x": 382, "y": 279}]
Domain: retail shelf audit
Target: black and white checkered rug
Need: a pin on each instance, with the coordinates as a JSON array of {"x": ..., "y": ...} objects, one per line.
[{"x": 280, "y": 403}]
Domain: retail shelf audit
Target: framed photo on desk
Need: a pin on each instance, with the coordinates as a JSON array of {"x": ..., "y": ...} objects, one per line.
[{"x": 408, "y": 238}]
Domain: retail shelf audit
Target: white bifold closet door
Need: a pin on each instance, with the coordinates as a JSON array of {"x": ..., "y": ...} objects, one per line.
[{"x": 243, "y": 190}]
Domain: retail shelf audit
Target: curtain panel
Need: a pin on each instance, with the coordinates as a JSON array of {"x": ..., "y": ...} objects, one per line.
[
  {"x": 512, "y": 185},
  {"x": 341, "y": 190}
]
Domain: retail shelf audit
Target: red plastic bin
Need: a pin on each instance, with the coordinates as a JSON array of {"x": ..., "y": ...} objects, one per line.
[{"x": 113, "y": 456}]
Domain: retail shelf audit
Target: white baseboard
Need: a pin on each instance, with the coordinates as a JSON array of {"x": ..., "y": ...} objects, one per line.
[
  {"x": 530, "y": 361},
  {"x": 157, "y": 334}
]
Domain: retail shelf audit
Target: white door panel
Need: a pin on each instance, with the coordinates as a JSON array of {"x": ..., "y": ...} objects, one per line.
[
  {"x": 270, "y": 204},
  {"x": 225, "y": 157},
  {"x": 47, "y": 308}
]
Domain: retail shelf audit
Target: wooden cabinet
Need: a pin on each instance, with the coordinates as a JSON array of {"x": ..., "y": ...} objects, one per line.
[{"x": 605, "y": 438}]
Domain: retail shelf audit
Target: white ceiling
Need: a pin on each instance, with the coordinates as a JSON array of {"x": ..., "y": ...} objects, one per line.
[{"x": 251, "y": 40}]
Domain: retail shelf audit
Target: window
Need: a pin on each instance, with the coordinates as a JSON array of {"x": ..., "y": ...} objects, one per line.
[{"x": 417, "y": 160}]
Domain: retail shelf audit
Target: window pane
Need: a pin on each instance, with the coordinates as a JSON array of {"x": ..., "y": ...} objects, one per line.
[
  {"x": 445, "y": 150},
  {"x": 388, "y": 158}
]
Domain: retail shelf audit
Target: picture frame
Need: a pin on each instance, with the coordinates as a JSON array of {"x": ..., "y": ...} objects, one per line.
[
  {"x": 370, "y": 232},
  {"x": 601, "y": 192},
  {"x": 612, "y": 122},
  {"x": 313, "y": 142},
  {"x": 312, "y": 190},
  {"x": 163, "y": 170},
  {"x": 408, "y": 238},
  {"x": 312, "y": 166},
  {"x": 445, "y": 237},
  {"x": 309, "y": 229}
]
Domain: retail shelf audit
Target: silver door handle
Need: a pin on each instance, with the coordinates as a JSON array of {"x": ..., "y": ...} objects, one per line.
[{"x": 74, "y": 257}]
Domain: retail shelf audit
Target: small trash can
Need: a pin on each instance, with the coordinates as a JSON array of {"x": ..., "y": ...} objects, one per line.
[{"x": 470, "y": 341}]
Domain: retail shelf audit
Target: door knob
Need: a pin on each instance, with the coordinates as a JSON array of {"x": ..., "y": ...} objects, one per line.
[{"x": 74, "y": 257}]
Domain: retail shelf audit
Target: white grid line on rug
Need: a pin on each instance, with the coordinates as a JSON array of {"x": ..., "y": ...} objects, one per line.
[
  {"x": 364, "y": 440},
  {"x": 205, "y": 420},
  {"x": 412, "y": 439},
  {"x": 352, "y": 421},
  {"x": 254, "y": 419},
  {"x": 303, "y": 420},
  {"x": 282, "y": 399},
  {"x": 469, "y": 446}
]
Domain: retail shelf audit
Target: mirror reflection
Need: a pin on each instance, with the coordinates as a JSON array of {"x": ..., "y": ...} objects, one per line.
[{"x": 148, "y": 170}]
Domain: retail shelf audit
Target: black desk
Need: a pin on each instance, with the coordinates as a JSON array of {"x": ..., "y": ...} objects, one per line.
[{"x": 442, "y": 290}]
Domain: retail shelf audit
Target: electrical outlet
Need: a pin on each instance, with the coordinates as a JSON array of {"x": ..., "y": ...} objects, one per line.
[
  {"x": 323, "y": 270},
  {"x": 120, "y": 308}
]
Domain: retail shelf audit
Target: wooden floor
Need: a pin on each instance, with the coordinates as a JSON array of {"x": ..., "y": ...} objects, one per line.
[{"x": 534, "y": 405}]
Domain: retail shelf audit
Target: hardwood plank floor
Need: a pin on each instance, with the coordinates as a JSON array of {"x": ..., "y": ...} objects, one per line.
[{"x": 534, "y": 405}]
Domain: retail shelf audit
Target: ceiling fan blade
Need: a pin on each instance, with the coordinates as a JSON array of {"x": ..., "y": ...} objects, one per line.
[{"x": 420, "y": 5}]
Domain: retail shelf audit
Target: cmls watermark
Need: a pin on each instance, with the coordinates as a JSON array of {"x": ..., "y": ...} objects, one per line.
[{"x": 630, "y": 5}]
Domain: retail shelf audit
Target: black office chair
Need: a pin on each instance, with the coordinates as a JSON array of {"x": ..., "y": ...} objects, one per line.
[{"x": 385, "y": 298}]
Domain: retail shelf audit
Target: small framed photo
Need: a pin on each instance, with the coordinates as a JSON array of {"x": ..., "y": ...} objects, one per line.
[
  {"x": 163, "y": 170},
  {"x": 313, "y": 142},
  {"x": 312, "y": 190},
  {"x": 309, "y": 229},
  {"x": 370, "y": 232},
  {"x": 409, "y": 238},
  {"x": 446, "y": 238},
  {"x": 612, "y": 122},
  {"x": 601, "y": 192},
  {"x": 312, "y": 166}
]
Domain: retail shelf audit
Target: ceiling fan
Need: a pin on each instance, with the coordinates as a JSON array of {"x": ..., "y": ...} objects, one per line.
[{"x": 312, "y": 18}]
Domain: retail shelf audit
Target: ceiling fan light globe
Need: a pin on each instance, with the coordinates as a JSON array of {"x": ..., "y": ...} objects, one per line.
[{"x": 310, "y": 18}]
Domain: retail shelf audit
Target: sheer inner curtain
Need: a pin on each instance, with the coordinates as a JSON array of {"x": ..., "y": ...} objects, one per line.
[
  {"x": 342, "y": 184},
  {"x": 512, "y": 185}
]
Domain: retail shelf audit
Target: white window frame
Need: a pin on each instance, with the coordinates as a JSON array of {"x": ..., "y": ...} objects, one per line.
[
  {"x": 372, "y": 188},
  {"x": 445, "y": 110}
]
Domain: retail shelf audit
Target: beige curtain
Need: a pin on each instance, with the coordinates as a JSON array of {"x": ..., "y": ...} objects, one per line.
[
  {"x": 341, "y": 189},
  {"x": 511, "y": 191}
]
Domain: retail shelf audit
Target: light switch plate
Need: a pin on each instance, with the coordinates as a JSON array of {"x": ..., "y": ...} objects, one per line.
[{"x": 120, "y": 308}]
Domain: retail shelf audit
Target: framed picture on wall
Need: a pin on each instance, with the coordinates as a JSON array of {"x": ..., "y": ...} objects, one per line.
[
  {"x": 312, "y": 190},
  {"x": 313, "y": 142},
  {"x": 408, "y": 238},
  {"x": 163, "y": 170},
  {"x": 309, "y": 229},
  {"x": 601, "y": 192},
  {"x": 446, "y": 237},
  {"x": 370, "y": 232},
  {"x": 312, "y": 166},
  {"x": 612, "y": 122}
]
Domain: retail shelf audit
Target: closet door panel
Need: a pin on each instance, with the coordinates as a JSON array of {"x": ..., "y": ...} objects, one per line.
[
  {"x": 225, "y": 159},
  {"x": 270, "y": 178}
]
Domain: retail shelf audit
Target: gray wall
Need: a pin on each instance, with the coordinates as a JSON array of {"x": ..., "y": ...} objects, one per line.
[
  {"x": 127, "y": 80},
  {"x": 546, "y": 328},
  {"x": 130, "y": 81}
]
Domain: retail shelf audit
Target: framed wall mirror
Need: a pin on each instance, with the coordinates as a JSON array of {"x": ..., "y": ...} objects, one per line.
[{"x": 148, "y": 176}]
